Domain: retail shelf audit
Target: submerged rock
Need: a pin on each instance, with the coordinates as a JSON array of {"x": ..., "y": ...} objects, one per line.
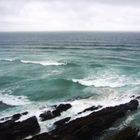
[
  {"x": 127, "y": 133},
  {"x": 11, "y": 130},
  {"x": 4, "y": 106},
  {"x": 57, "y": 112}
]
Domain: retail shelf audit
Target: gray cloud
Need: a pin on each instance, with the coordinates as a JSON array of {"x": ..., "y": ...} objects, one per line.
[{"x": 22, "y": 15}]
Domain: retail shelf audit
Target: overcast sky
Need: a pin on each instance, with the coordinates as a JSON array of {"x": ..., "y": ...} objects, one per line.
[{"x": 52, "y": 15}]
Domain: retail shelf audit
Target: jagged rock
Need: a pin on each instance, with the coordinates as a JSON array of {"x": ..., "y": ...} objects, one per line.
[
  {"x": 127, "y": 133},
  {"x": 15, "y": 117},
  {"x": 57, "y": 112},
  {"x": 11, "y": 130},
  {"x": 63, "y": 107},
  {"x": 133, "y": 105},
  {"x": 79, "y": 129},
  {"x": 93, "y": 124},
  {"x": 90, "y": 109},
  {"x": 62, "y": 122}
]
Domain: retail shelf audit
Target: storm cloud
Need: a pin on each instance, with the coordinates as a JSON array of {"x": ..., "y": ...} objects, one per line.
[{"x": 55, "y": 15}]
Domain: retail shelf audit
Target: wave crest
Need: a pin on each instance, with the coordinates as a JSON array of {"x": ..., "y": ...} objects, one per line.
[
  {"x": 113, "y": 81},
  {"x": 43, "y": 63}
]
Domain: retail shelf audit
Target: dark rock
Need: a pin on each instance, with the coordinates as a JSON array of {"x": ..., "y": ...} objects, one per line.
[
  {"x": 24, "y": 113},
  {"x": 11, "y": 130},
  {"x": 133, "y": 105},
  {"x": 93, "y": 124},
  {"x": 15, "y": 117},
  {"x": 62, "y": 122},
  {"x": 90, "y": 109},
  {"x": 63, "y": 107},
  {"x": 127, "y": 133},
  {"x": 57, "y": 112},
  {"x": 137, "y": 138},
  {"x": 46, "y": 115},
  {"x": 132, "y": 96},
  {"x": 43, "y": 136},
  {"x": 84, "y": 128},
  {"x": 138, "y": 97}
]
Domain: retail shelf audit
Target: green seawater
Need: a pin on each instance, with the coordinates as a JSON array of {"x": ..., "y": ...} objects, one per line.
[{"x": 41, "y": 68}]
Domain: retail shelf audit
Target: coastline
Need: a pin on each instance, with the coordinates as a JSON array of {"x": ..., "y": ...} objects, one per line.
[{"x": 93, "y": 126}]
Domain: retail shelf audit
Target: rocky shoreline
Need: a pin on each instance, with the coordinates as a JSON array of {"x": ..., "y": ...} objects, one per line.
[{"x": 89, "y": 127}]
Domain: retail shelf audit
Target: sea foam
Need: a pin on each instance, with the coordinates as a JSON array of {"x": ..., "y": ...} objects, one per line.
[
  {"x": 112, "y": 81},
  {"x": 14, "y": 100},
  {"x": 43, "y": 63}
]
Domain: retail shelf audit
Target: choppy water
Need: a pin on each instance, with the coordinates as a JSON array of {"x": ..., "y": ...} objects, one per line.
[{"x": 38, "y": 69}]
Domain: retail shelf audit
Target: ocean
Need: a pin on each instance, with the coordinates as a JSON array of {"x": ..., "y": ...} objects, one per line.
[{"x": 40, "y": 69}]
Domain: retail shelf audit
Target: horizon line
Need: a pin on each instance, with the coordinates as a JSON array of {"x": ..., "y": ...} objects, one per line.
[{"x": 133, "y": 31}]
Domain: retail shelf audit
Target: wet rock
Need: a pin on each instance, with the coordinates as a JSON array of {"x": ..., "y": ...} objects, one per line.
[
  {"x": 46, "y": 115},
  {"x": 11, "y": 130},
  {"x": 93, "y": 124},
  {"x": 63, "y": 107},
  {"x": 15, "y": 117},
  {"x": 127, "y": 133},
  {"x": 57, "y": 112},
  {"x": 138, "y": 98},
  {"x": 83, "y": 128},
  {"x": 133, "y": 96},
  {"x": 62, "y": 122},
  {"x": 90, "y": 109},
  {"x": 43, "y": 136},
  {"x": 137, "y": 138},
  {"x": 133, "y": 105}
]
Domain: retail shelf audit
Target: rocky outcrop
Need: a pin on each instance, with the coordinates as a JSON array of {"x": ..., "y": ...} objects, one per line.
[
  {"x": 93, "y": 124},
  {"x": 11, "y": 130},
  {"x": 83, "y": 128},
  {"x": 57, "y": 112}
]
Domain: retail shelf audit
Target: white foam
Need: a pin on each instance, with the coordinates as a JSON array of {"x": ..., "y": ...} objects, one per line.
[
  {"x": 44, "y": 63},
  {"x": 112, "y": 81},
  {"x": 37, "y": 108},
  {"x": 80, "y": 105},
  {"x": 12, "y": 100},
  {"x": 8, "y": 59}
]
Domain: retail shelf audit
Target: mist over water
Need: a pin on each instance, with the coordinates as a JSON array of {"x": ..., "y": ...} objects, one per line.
[{"x": 38, "y": 69}]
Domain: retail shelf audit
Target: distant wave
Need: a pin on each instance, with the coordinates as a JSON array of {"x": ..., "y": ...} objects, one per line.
[
  {"x": 44, "y": 63},
  {"x": 13, "y": 100}
]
